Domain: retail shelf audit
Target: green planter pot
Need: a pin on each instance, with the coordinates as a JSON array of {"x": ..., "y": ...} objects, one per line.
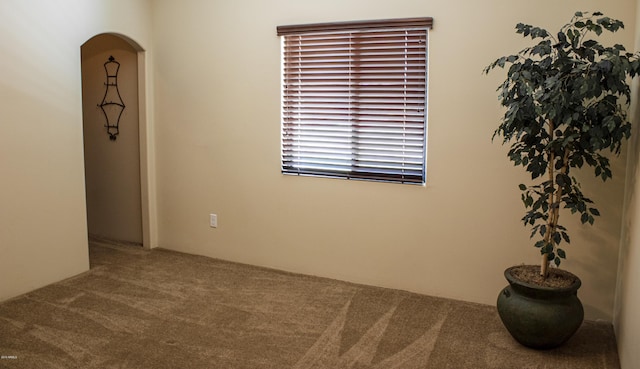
[{"x": 540, "y": 317}]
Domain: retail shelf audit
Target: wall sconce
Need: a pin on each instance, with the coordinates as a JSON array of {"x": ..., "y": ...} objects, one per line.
[{"x": 112, "y": 105}]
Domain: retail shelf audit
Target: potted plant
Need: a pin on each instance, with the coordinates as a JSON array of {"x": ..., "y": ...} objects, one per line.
[{"x": 566, "y": 98}]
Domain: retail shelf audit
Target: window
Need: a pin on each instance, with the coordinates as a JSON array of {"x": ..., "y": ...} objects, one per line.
[{"x": 354, "y": 99}]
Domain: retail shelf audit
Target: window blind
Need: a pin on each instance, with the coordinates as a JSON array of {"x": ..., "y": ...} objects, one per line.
[{"x": 354, "y": 100}]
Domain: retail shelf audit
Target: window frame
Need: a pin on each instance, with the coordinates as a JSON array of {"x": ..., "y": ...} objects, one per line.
[{"x": 362, "y": 28}]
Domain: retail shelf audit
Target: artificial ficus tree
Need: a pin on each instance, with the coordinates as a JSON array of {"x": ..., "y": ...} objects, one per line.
[{"x": 566, "y": 100}]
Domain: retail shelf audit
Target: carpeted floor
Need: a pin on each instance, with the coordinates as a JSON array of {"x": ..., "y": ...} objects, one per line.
[{"x": 161, "y": 309}]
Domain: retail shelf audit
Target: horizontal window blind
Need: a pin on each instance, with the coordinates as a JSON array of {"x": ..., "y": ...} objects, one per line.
[{"x": 354, "y": 100}]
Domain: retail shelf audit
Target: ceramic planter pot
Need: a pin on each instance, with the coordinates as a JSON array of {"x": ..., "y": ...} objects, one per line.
[{"x": 540, "y": 317}]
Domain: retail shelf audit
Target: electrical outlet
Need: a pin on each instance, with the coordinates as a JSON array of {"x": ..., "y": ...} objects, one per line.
[{"x": 213, "y": 220}]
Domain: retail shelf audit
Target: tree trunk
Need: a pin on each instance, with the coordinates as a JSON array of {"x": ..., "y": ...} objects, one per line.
[
  {"x": 554, "y": 204},
  {"x": 544, "y": 263}
]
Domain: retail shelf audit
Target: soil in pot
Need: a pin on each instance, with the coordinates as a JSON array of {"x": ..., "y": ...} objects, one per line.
[{"x": 556, "y": 278}]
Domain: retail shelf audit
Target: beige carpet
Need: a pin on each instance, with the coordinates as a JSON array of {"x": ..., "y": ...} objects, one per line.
[{"x": 161, "y": 309}]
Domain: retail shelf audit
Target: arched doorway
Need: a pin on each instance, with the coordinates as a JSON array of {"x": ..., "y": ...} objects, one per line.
[{"x": 113, "y": 180}]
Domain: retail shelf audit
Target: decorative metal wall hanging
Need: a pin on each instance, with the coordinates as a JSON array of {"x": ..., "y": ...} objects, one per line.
[{"x": 112, "y": 105}]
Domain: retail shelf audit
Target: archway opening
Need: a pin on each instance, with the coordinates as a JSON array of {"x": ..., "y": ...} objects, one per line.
[{"x": 114, "y": 140}]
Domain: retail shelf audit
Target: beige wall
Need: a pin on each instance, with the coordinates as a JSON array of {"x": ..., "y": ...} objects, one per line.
[
  {"x": 218, "y": 129},
  {"x": 112, "y": 168},
  {"x": 44, "y": 233},
  {"x": 626, "y": 317}
]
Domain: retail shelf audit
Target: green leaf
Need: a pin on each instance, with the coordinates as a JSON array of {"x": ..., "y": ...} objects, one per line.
[
  {"x": 584, "y": 218},
  {"x": 560, "y": 180},
  {"x": 534, "y": 230},
  {"x": 562, "y": 38},
  {"x": 528, "y": 202},
  {"x": 556, "y": 261},
  {"x": 547, "y": 248},
  {"x": 597, "y": 30},
  {"x": 561, "y": 253},
  {"x": 594, "y": 211},
  {"x": 589, "y": 44},
  {"x": 522, "y": 187}
]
